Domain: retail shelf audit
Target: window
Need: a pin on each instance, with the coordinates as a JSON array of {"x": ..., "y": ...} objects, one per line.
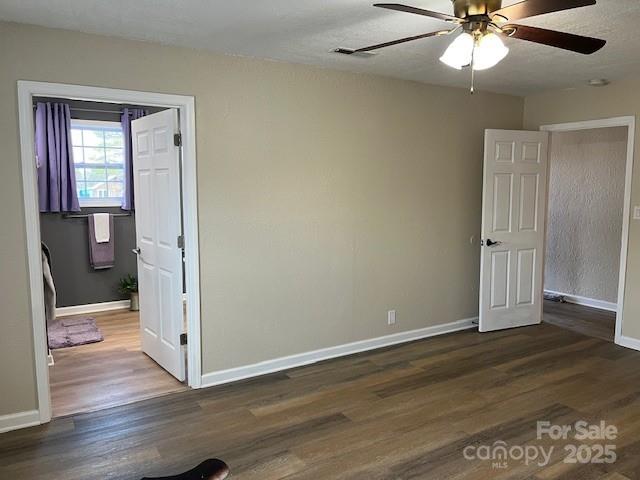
[{"x": 98, "y": 155}]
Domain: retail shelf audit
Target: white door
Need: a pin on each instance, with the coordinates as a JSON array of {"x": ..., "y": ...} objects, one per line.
[
  {"x": 513, "y": 224},
  {"x": 158, "y": 226}
]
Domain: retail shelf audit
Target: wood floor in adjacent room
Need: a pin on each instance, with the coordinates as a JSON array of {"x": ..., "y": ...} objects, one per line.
[
  {"x": 405, "y": 412},
  {"x": 112, "y": 372},
  {"x": 592, "y": 322}
]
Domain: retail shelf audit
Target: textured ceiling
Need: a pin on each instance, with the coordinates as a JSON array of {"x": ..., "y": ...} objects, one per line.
[{"x": 306, "y": 31}]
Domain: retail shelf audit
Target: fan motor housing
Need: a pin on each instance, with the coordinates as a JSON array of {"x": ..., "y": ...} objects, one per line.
[{"x": 472, "y": 8}]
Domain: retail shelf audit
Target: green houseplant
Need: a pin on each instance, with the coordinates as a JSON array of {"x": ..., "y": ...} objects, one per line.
[{"x": 129, "y": 286}]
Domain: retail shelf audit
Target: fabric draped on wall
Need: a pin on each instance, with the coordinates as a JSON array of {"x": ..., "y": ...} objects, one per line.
[
  {"x": 54, "y": 158},
  {"x": 129, "y": 114}
]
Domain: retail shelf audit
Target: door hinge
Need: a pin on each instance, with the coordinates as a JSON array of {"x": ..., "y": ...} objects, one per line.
[
  {"x": 177, "y": 139},
  {"x": 181, "y": 241},
  {"x": 183, "y": 339}
]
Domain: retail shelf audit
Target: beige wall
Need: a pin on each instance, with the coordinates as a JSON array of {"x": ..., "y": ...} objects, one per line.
[
  {"x": 584, "y": 224},
  {"x": 325, "y": 198},
  {"x": 621, "y": 98}
]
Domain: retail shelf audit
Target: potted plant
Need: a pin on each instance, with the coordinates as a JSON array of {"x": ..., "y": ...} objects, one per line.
[{"x": 129, "y": 285}]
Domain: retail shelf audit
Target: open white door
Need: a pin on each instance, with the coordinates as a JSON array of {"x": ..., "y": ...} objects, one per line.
[
  {"x": 513, "y": 223},
  {"x": 156, "y": 172}
]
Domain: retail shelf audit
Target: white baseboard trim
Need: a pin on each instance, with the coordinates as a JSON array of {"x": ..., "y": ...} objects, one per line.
[
  {"x": 15, "y": 421},
  {"x": 587, "y": 302},
  {"x": 300, "y": 359},
  {"x": 92, "y": 308},
  {"x": 628, "y": 342}
]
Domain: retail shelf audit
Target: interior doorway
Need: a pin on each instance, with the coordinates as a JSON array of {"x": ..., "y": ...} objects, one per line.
[
  {"x": 588, "y": 211},
  {"x": 112, "y": 340},
  {"x": 103, "y": 360}
]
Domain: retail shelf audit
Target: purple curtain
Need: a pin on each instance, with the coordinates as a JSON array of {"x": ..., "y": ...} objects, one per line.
[
  {"x": 129, "y": 114},
  {"x": 54, "y": 159}
]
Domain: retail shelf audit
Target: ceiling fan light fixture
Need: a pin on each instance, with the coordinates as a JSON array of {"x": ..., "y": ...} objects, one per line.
[
  {"x": 460, "y": 52},
  {"x": 489, "y": 52},
  {"x": 484, "y": 23}
]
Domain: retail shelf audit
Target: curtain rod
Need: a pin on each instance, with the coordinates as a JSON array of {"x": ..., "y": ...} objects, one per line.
[{"x": 94, "y": 110}]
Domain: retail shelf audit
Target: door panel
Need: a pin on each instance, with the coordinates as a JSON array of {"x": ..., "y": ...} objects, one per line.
[
  {"x": 514, "y": 197},
  {"x": 499, "y": 279},
  {"x": 158, "y": 226},
  {"x": 528, "y": 208},
  {"x": 525, "y": 276},
  {"x": 502, "y": 192}
]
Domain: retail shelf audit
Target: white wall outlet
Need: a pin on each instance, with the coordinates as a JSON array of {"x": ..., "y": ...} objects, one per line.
[
  {"x": 391, "y": 317},
  {"x": 636, "y": 213}
]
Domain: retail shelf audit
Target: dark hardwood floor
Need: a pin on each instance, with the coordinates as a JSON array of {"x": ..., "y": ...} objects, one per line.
[
  {"x": 406, "y": 412},
  {"x": 588, "y": 321}
]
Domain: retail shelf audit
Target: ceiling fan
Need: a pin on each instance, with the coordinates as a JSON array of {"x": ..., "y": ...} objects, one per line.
[{"x": 482, "y": 25}]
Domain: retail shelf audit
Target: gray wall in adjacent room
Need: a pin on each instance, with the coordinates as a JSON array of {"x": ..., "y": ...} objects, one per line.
[
  {"x": 584, "y": 231},
  {"x": 68, "y": 239}
]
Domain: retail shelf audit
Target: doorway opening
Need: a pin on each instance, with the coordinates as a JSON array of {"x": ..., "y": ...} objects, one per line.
[
  {"x": 514, "y": 221},
  {"x": 93, "y": 349},
  {"x": 588, "y": 210}
]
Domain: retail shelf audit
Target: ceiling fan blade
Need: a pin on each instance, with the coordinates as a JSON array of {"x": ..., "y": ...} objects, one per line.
[
  {"x": 348, "y": 51},
  {"x": 418, "y": 11},
  {"x": 531, "y": 8},
  {"x": 566, "y": 41}
]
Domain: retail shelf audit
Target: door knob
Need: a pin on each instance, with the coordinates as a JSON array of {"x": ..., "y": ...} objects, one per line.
[
  {"x": 491, "y": 243},
  {"x": 136, "y": 250}
]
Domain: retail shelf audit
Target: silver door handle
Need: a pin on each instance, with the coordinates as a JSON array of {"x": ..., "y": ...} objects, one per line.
[{"x": 136, "y": 250}]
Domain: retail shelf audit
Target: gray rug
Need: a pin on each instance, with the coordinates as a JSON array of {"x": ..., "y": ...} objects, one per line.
[{"x": 69, "y": 332}]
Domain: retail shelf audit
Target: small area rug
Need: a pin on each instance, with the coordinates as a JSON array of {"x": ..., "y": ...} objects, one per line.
[{"x": 70, "y": 332}]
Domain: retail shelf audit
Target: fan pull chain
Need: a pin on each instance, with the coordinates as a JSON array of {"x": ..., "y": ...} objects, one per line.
[{"x": 473, "y": 70}]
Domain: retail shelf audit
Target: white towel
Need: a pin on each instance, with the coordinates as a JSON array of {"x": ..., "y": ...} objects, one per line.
[{"x": 101, "y": 227}]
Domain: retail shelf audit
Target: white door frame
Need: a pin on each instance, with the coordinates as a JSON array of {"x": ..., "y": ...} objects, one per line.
[
  {"x": 629, "y": 122},
  {"x": 186, "y": 107}
]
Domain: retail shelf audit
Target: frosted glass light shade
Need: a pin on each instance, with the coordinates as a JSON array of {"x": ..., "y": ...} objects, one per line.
[
  {"x": 489, "y": 52},
  {"x": 459, "y": 53}
]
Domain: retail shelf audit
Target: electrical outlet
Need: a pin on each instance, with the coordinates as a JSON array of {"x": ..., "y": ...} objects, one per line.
[
  {"x": 636, "y": 213},
  {"x": 391, "y": 317}
]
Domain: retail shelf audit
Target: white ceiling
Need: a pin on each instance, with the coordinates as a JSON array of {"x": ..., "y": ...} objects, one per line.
[{"x": 306, "y": 31}]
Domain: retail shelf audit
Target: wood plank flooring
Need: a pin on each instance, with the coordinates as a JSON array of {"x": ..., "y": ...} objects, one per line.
[
  {"x": 592, "y": 322},
  {"x": 108, "y": 373},
  {"x": 405, "y": 412}
]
